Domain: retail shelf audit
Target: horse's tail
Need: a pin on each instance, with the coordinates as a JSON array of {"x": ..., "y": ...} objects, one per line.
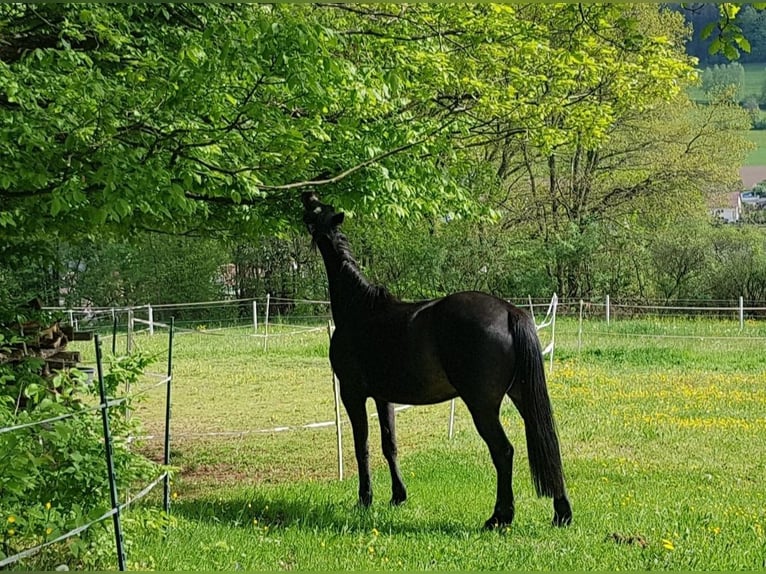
[{"x": 535, "y": 407}]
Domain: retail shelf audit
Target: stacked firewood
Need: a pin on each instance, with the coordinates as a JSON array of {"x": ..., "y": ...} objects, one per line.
[{"x": 47, "y": 342}]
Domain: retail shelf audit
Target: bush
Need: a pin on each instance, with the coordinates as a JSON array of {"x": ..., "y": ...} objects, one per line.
[{"x": 53, "y": 476}]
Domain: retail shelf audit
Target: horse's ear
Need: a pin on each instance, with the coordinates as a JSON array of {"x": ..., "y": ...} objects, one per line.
[
  {"x": 338, "y": 218},
  {"x": 309, "y": 199}
]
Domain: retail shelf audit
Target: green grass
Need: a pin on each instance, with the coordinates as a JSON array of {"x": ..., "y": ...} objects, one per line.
[
  {"x": 758, "y": 155},
  {"x": 755, "y": 79},
  {"x": 662, "y": 441}
]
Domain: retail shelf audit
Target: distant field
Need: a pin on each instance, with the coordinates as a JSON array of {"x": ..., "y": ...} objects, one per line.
[
  {"x": 755, "y": 77},
  {"x": 758, "y": 155},
  {"x": 659, "y": 438}
]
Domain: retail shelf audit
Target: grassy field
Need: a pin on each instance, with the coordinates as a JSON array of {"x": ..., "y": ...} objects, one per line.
[
  {"x": 663, "y": 443},
  {"x": 755, "y": 80},
  {"x": 758, "y": 155}
]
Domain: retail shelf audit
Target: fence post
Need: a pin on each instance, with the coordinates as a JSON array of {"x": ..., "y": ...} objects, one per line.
[
  {"x": 166, "y": 459},
  {"x": 336, "y": 394},
  {"x": 129, "y": 345},
  {"x": 579, "y": 330},
  {"x": 150, "y": 311},
  {"x": 109, "y": 460},
  {"x": 114, "y": 333},
  {"x": 266, "y": 323},
  {"x": 255, "y": 316},
  {"x": 531, "y": 307},
  {"x": 741, "y": 313},
  {"x": 608, "y": 310},
  {"x": 71, "y": 318},
  {"x": 555, "y": 305}
]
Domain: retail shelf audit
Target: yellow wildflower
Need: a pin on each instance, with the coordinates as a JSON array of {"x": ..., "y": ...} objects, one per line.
[
  {"x": 375, "y": 532},
  {"x": 47, "y": 506},
  {"x": 48, "y": 530},
  {"x": 668, "y": 544},
  {"x": 175, "y": 496},
  {"x": 11, "y": 519},
  {"x": 11, "y": 532}
]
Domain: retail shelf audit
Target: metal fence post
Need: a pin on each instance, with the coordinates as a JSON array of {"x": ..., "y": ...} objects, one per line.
[
  {"x": 150, "y": 313},
  {"x": 109, "y": 458},
  {"x": 255, "y": 316},
  {"x": 579, "y": 330}
]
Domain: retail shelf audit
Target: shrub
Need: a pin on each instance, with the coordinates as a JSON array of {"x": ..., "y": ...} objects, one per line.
[{"x": 53, "y": 476}]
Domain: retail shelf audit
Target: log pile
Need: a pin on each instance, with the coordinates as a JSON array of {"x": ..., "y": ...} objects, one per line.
[{"x": 47, "y": 342}]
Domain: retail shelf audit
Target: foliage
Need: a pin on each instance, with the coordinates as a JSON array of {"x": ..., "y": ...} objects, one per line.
[
  {"x": 738, "y": 266},
  {"x": 210, "y": 116},
  {"x": 726, "y": 31},
  {"x": 53, "y": 476},
  {"x": 721, "y": 77}
]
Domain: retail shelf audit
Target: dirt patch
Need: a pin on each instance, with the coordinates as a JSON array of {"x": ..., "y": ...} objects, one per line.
[{"x": 752, "y": 174}]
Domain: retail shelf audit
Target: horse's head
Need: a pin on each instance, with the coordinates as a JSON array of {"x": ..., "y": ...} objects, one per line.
[{"x": 320, "y": 218}]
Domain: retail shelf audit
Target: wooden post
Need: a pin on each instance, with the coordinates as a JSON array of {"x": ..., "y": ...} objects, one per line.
[
  {"x": 608, "y": 310},
  {"x": 531, "y": 307},
  {"x": 130, "y": 332},
  {"x": 741, "y": 313},
  {"x": 255, "y": 316},
  {"x": 554, "y": 309},
  {"x": 266, "y": 323},
  {"x": 338, "y": 430},
  {"x": 579, "y": 330},
  {"x": 150, "y": 312}
]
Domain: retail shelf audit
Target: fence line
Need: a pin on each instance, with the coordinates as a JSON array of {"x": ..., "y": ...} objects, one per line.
[{"x": 114, "y": 512}]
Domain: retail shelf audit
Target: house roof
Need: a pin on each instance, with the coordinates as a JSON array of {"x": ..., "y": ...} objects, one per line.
[
  {"x": 723, "y": 200},
  {"x": 752, "y": 174}
]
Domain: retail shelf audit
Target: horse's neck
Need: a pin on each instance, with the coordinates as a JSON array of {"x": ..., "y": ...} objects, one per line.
[{"x": 350, "y": 291}]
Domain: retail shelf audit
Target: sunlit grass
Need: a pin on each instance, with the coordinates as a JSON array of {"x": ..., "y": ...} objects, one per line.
[{"x": 662, "y": 428}]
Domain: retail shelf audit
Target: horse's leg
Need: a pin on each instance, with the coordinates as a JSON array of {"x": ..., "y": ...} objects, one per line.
[
  {"x": 562, "y": 508},
  {"x": 357, "y": 414},
  {"x": 487, "y": 420},
  {"x": 387, "y": 417}
]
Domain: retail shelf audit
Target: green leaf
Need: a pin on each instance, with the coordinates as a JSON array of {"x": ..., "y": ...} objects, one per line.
[{"x": 707, "y": 30}]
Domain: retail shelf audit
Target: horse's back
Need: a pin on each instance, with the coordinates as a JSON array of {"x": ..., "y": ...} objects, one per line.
[
  {"x": 431, "y": 351},
  {"x": 472, "y": 342}
]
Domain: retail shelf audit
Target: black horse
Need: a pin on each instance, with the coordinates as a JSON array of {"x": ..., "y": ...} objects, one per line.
[{"x": 471, "y": 345}]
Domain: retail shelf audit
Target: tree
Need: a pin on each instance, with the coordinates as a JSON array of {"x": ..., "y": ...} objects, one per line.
[{"x": 658, "y": 161}]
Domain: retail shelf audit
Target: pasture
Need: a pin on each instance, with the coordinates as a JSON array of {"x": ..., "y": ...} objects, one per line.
[
  {"x": 662, "y": 440},
  {"x": 758, "y": 155}
]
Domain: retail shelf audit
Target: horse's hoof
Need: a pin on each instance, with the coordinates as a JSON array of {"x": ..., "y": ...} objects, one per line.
[
  {"x": 562, "y": 512},
  {"x": 365, "y": 501},
  {"x": 498, "y": 521},
  {"x": 398, "y": 500}
]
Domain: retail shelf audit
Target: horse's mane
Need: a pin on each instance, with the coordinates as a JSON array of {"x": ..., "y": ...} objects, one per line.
[{"x": 372, "y": 295}]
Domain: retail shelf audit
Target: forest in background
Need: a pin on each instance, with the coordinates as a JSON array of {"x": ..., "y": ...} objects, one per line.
[{"x": 156, "y": 154}]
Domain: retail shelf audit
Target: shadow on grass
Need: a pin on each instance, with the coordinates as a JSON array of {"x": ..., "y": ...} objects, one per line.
[{"x": 314, "y": 510}]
